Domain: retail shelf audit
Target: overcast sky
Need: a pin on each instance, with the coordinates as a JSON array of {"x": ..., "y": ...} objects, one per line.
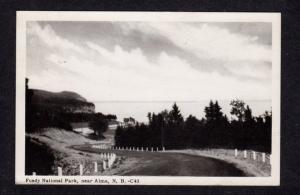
[{"x": 151, "y": 61}]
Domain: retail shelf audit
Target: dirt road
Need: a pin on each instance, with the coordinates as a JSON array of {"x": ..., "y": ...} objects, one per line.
[{"x": 168, "y": 164}]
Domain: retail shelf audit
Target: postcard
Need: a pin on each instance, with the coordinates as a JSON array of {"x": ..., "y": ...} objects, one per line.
[{"x": 148, "y": 98}]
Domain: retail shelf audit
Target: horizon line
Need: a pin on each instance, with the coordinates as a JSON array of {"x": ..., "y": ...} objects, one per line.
[{"x": 178, "y": 100}]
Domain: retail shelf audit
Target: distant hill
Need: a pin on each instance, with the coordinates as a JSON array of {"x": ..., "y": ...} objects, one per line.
[
  {"x": 65, "y": 101},
  {"x": 41, "y": 96}
]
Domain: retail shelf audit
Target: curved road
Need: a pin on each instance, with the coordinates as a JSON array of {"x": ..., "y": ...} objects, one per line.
[{"x": 170, "y": 164}]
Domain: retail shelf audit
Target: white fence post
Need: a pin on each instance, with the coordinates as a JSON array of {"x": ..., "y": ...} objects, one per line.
[
  {"x": 264, "y": 157},
  {"x": 151, "y": 149},
  {"x": 245, "y": 153},
  {"x": 109, "y": 163},
  {"x": 80, "y": 169},
  {"x": 96, "y": 167},
  {"x": 104, "y": 165},
  {"x": 163, "y": 149},
  {"x": 34, "y": 173},
  {"x": 156, "y": 148},
  {"x": 59, "y": 171},
  {"x": 142, "y": 149},
  {"x": 254, "y": 155},
  {"x": 235, "y": 153}
]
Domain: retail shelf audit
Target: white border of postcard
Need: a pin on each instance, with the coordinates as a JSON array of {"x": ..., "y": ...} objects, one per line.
[{"x": 274, "y": 18}]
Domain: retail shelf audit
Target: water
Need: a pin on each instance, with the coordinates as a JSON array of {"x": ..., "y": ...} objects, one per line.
[{"x": 139, "y": 110}]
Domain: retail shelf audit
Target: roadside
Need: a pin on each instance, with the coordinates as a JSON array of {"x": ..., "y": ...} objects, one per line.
[
  {"x": 147, "y": 163},
  {"x": 58, "y": 141},
  {"x": 71, "y": 149},
  {"x": 249, "y": 166}
]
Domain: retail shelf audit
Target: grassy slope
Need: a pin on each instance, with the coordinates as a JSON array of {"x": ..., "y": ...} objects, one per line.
[{"x": 66, "y": 157}]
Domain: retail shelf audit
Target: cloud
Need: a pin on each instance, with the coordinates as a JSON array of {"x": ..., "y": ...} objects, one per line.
[
  {"x": 99, "y": 73},
  {"x": 209, "y": 41},
  {"x": 50, "y": 38},
  {"x": 216, "y": 48}
]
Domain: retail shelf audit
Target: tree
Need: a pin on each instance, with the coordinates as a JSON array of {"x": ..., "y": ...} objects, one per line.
[
  {"x": 175, "y": 115},
  {"x": 119, "y": 136},
  {"x": 209, "y": 111},
  {"x": 238, "y": 109},
  {"x": 213, "y": 112},
  {"x": 248, "y": 114},
  {"x": 99, "y": 125},
  {"x": 149, "y": 117},
  {"x": 111, "y": 117},
  {"x": 218, "y": 115}
]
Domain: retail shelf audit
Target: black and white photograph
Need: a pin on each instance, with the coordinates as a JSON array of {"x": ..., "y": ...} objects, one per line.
[{"x": 135, "y": 98}]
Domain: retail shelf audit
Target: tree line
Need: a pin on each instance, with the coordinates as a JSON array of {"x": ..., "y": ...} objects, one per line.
[{"x": 169, "y": 129}]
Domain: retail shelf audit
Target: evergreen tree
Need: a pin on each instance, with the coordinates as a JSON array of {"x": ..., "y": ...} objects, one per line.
[
  {"x": 213, "y": 112},
  {"x": 175, "y": 115},
  {"x": 248, "y": 114},
  {"x": 218, "y": 115},
  {"x": 209, "y": 111}
]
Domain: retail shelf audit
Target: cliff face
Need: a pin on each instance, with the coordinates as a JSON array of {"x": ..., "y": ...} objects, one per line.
[{"x": 67, "y": 102}]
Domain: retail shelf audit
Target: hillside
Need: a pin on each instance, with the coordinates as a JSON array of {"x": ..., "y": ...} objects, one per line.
[
  {"x": 49, "y": 148},
  {"x": 64, "y": 101}
]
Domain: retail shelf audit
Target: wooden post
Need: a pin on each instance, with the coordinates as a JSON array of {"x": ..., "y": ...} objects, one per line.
[
  {"x": 80, "y": 169},
  {"x": 156, "y": 148},
  {"x": 59, "y": 171},
  {"x": 142, "y": 149},
  {"x": 245, "y": 153},
  {"x": 95, "y": 167},
  {"x": 235, "y": 153},
  {"x": 151, "y": 149},
  {"x": 163, "y": 149}
]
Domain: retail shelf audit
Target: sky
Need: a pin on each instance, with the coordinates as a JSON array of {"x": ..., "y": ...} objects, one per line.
[{"x": 151, "y": 61}]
